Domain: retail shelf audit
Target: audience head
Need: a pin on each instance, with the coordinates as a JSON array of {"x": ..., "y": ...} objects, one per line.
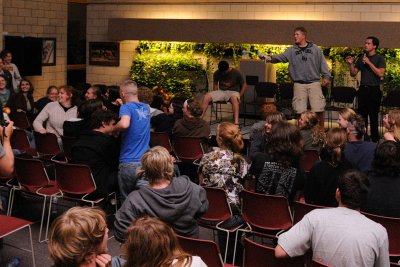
[
  {"x": 344, "y": 117},
  {"x": 145, "y": 95},
  {"x": 387, "y": 159},
  {"x": 157, "y": 164},
  {"x": 6, "y": 55},
  {"x": 86, "y": 109},
  {"x": 375, "y": 41},
  {"x": 223, "y": 66},
  {"x": 308, "y": 120},
  {"x": 93, "y": 92},
  {"x": 285, "y": 144},
  {"x": 151, "y": 242},
  {"x": 356, "y": 127},
  {"x": 271, "y": 118},
  {"x": 67, "y": 95},
  {"x": 229, "y": 136},
  {"x": 192, "y": 108},
  {"x": 128, "y": 89},
  {"x": 335, "y": 143},
  {"x": 113, "y": 93},
  {"x": 391, "y": 121},
  {"x": 103, "y": 90},
  {"x": 77, "y": 235},
  {"x": 52, "y": 93},
  {"x": 352, "y": 190},
  {"x": 103, "y": 121},
  {"x": 3, "y": 82},
  {"x": 25, "y": 86},
  {"x": 176, "y": 107}
]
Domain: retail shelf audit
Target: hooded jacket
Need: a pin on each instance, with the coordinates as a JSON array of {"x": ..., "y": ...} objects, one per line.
[
  {"x": 194, "y": 127},
  {"x": 180, "y": 204}
]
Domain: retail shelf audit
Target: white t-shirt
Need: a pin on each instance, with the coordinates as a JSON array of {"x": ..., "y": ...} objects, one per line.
[
  {"x": 338, "y": 237},
  {"x": 196, "y": 262}
]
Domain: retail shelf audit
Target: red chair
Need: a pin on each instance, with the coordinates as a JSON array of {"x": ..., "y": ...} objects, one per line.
[
  {"x": 300, "y": 209},
  {"x": 218, "y": 212},
  {"x": 187, "y": 148},
  {"x": 10, "y": 225},
  {"x": 19, "y": 140},
  {"x": 20, "y": 120},
  {"x": 392, "y": 226},
  {"x": 394, "y": 264},
  {"x": 315, "y": 263},
  {"x": 265, "y": 215},
  {"x": 47, "y": 144},
  {"x": 256, "y": 255},
  {"x": 161, "y": 139},
  {"x": 308, "y": 160},
  {"x": 32, "y": 178},
  {"x": 207, "y": 250},
  {"x": 67, "y": 142}
]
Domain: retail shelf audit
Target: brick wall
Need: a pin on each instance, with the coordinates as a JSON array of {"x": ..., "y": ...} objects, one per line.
[{"x": 40, "y": 18}]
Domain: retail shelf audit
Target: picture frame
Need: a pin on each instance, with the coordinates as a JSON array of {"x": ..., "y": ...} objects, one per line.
[
  {"x": 49, "y": 50},
  {"x": 104, "y": 53}
]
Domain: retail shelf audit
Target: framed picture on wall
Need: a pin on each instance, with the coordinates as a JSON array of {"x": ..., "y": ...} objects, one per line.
[
  {"x": 49, "y": 51},
  {"x": 104, "y": 53}
]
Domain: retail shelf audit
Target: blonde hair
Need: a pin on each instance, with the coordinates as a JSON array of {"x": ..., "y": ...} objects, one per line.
[
  {"x": 229, "y": 135},
  {"x": 394, "y": 121},
  {"x": 347, "y": 113},
  {"x": 311, "y": 121},
  {"x": 153, "y": 243},
  {"x": 157, "y": 164},
  {"x": 76, "y": 235},
  {"x": 335, "y": 143}
]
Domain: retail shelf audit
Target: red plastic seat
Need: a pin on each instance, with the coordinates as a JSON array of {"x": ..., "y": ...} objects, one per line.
[
  {"x": 256, "y": 255},
  {"x": 218, "y": 212},
  {"x": 19, "y": 140},
  {"x": 187, "y": 148},
  {"x": 161, "y": 139},
  {"x": 265, "y": 215},
  {"x": 207, "y": 250},
  {"x": 67, "y": 142},
  {"x": 32, "y": 178},
  {"x": 308, "y": 160},
  {"x": 300, "y": 209},
  {"x": 47, "y": 144},
  {"x": 392, "y": 226},
  {"x": 11, "y": 225}
]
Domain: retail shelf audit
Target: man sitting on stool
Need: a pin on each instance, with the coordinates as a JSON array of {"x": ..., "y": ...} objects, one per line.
[{"x": 229, "y": 85}]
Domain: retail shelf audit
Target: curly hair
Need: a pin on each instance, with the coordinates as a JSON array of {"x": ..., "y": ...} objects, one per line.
[
  {"x": 285, "y": 144},
  {"x": 229, "y": 135},
  {"x": 356, "y": 126},
  {"x": 387, "y": 159},
  {"x": 311, "y": 122}
]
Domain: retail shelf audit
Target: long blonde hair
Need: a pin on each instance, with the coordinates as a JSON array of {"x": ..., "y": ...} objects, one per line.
[
  {"x": 335, "y": 143},
  {"x": 311, "y": 121},
  {"x": 394, "y": 122}
]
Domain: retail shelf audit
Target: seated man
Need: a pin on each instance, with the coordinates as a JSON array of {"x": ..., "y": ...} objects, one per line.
[
  {"x": 78, "y": 238},
  {"x": 339, "y": 236},
  {"x": 231, "y": 88},
  {"x": 175, "y": 200}
]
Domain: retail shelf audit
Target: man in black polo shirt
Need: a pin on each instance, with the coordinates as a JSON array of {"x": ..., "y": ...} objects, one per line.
[{"x": 372, "y": 67}]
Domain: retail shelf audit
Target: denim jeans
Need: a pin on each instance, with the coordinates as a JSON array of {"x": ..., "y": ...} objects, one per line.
[{"x": 127, "y": 178}]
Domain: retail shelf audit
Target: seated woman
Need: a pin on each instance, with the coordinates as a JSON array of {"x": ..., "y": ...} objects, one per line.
[
  {"x": 312, "y": 134},
  {"x": 51, "y": 96},
  {"x": 344, "y": 117},
  {"x": 259, "y": 136},
  {"x": 165, "y": 122},
  {"x": 78, "y": 238},
  {"x": 152, "y": 242},
  {"x": 176, "y": 200},
  {"x": 277, "y": 171},
  {"x": 5, "y": 93},
  {"x": 56, "y": 113},
  {"x": 225, "y": 167},
  {"x": 383, "y": 196},
  {"x": 23, "y": 100},
  {"x": 322, "y": 180},
  {"x": 391, "y": 121}
]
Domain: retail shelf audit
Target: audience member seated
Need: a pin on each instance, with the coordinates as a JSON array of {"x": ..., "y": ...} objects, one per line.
[
  {"x": 152, "y": 242},
  {"x": 225, "y": 167},
  {"x": 51, "y": 96},
  {"x": 146, "y": 96},
  {"x": 344, "y": 117},
  {"x": 176, "y": 200},
  {"x": 113, "y": 101},
  {"x": 339, "y": 236},
  {"x": 391, "y": 121},
  {"x": 73, "y": 127},
  {"x": 92, "y": 93},
  {"x": 260, "y": 133},
  {"x": 383, "y": 197},
  {"x": 322, "y": 180},
  {"x": 312, "y": 134},
  {"x": 55, "y": 113},
  {"x": 164, "y": 122},
  {"x": 7, "y": 75},
  {"x": 98, "y": 149},
  {"x": 192, "y": 124},
  {"x": 277, "y": 171},
  {"x": 23, "y": 100},
  {"x": 6, "y": 56},
  {"x": 358, "y": 152},
  {"x": 78, "y": 238},
  {"x": 5, "y": 92}
]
